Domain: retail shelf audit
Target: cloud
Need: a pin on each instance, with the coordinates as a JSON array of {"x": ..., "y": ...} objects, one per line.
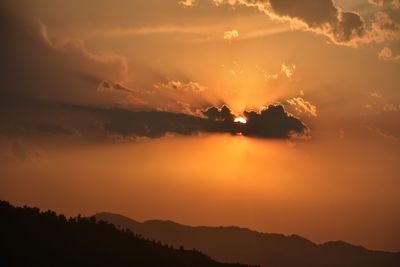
[
  {"x": 375, "y": 94},
  {"x": 181, "y": 86},
  {"x": 383, "y": 133},
  {"x": 230, "y": 35},
  {"x": 54, "y": 129},
  {"x": 153, "y": 124},
  {"x": 303, "y": 106},
  {"x": 187, "y": 3},
  {"x": 64, "y": 71},
  {"x": 272, "y": 122},
  {"x": 322, "y": 17},
  {"x": 178, "y": 96},
  {"x": 326, "y": 18},
  {"x": 99, "y": 124},
  {"x": 380, "y": 105},
  {"x": 112, "y": 86},
  {"x": 288, "y": 69},
  {"x": 383, "y": 28},
  {"x": 395, "y": 4},
  {"x": 53, "y": 68},
  {"x": 386, "y": 54},
  {"x": 391, "y": 108},
  {"x": 222, "y": 114},
  {"x": 376, "y": 2}
]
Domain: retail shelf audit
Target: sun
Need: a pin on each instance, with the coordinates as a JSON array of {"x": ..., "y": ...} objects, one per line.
[{"x": 240, "y": 120}]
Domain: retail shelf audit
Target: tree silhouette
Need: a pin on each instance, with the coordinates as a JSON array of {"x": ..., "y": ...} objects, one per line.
[{"x": 33, "y": 238}]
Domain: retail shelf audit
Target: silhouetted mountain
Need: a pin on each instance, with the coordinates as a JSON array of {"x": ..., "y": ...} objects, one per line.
[
  {"x": 29, "y": 237},
  {"x": 234, "y": 244}
]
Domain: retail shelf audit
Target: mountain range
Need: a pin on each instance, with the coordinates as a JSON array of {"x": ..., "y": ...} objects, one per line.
[
  {"x": 234, "y": 244},
  {"x": 29, "y": 237}
]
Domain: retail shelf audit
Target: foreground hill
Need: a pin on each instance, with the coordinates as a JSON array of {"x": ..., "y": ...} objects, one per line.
[
  {"x": 234, "y": 244},
  {"x": 29, "y": 237}
]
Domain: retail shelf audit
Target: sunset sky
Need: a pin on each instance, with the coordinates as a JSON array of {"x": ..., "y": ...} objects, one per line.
[{"x": 129, "y": 106}]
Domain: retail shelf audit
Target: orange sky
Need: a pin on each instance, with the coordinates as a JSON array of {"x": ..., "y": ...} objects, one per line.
[{"x": 334, "y": 66}]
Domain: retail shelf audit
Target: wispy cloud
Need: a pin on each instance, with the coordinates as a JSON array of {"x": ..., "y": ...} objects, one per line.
[
  {"x": 386, "y": 54},
  {"x": 230, "y": 35}
]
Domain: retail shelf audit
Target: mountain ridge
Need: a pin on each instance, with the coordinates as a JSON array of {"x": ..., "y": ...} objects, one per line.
[
  {"x": 30, "y": 237},
  {"x": 236, "y": 244}
]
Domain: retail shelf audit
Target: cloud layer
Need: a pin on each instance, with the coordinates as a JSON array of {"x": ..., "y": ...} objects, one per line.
[
  {"x": 271, "y": 122},
  {"x": 97, "y": 123}
]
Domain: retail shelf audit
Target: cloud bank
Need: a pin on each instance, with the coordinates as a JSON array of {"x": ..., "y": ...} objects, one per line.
[
  {"x": 97, "y": 123},
  {"x": 271, "y": 122}
]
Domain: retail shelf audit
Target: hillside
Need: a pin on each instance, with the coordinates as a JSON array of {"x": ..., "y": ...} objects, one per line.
[
  {"x": 234, "y": 244},
  {"x": 33, "y": 238}
]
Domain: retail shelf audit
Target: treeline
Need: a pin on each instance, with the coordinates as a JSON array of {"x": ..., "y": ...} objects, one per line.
[{"x": 29, "y": 237}]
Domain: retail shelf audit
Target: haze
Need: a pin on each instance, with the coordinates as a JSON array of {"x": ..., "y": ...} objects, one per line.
[{"x": 75, "y": 73}]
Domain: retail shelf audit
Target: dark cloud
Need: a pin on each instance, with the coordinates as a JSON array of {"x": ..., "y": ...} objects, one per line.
[
  {"x": 305, "y": 10},
  {"x": 156, "y": 124},
  {"x": 223, "y": 114},
  {"x": 98, "y": 123},
  {"x": 350, "y": 26},
  {"x": 53, "y": 129},
  {"x": 271, "y": 122},
  {"x": 106, "y": 85},
  {"x": 111, "y": 86},
  {"x": 59, "y": 69},
  {"x": 322, "y": 16},
  {"x": 119, "y": 86}
]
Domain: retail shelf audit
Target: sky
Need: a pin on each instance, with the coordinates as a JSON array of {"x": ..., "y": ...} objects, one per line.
[{"x": 132, "y": 107}]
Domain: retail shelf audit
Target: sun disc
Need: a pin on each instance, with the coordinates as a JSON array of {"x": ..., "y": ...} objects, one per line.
[{"x": 240, "y": 120}]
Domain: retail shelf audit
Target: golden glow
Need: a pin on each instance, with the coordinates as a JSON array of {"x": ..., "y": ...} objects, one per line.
[
  {"x": 240, "y": 120},
  {"x": 142, "y": 53}
]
